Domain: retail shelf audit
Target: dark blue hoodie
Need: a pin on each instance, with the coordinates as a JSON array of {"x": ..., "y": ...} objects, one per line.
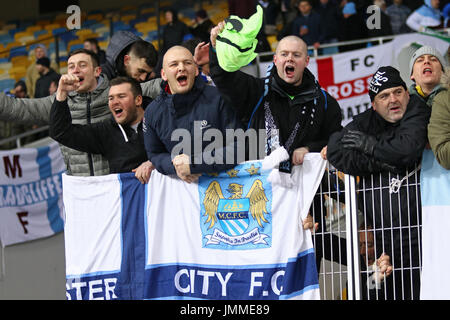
[{"x": 200, "y": 109}]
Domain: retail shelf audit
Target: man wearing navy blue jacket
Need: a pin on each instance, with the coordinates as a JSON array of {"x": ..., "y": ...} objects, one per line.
[{"x": 186, "y": 102}]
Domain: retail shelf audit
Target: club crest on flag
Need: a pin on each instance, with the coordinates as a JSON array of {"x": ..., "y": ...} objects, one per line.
[{"x": 236, "y": 208}]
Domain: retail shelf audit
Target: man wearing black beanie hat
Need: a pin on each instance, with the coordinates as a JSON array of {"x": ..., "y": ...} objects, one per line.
[
  {"x": 47, "y": 76},
  {"x": 388, "y": 139}
]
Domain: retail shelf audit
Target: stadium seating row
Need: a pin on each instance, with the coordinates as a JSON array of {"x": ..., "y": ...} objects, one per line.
[{"x": 19, "y": 38}]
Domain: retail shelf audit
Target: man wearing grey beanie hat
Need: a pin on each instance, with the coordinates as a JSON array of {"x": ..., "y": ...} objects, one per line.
[{"x": 426, "y": 68}]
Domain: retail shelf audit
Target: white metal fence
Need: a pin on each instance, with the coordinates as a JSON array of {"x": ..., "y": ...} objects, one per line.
[{"x": 359, "y": 220}]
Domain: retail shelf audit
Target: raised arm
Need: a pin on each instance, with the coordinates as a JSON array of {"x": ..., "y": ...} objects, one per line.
[
  {"x": 26, "y": 111},
  {"x": 240, "y": 89},
  {"x": 83, "y": 138}
]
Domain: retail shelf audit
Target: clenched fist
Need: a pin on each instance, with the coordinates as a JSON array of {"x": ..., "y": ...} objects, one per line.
[{"x": 67, "y": 83}]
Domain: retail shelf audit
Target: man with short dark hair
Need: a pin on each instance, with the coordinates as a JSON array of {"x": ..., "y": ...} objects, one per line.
[
  {"x": 120, "y": 140},
  {"x": 92, "y": 44},
  {"x": 307, "y": 25},
  {"x": 129, "y": 55},
  {"x": 20, "y": 89},
  {"x": 47, "y": 75},
  {"x": 32, "y": 74}
]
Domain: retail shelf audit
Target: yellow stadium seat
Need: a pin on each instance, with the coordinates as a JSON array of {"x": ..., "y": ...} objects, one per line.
[
  {"x": 26, "y": 39},
  {"x": 148, "y": 10},
  {"x": 45, "y": 39},
  {"x": 63, "y": 64},
  {"x": 127, "y": 18},
  {"x": 72, "y": 42},
  {"x": 9, "y": 27},
  {"x": 155, "y": 44},
  {"x": 52, "y": 26},
  {"x": 272, "y": 39},
  {"x": 22, "y": 34},
  {"x": 18, "y": 72},
  {"x": 88, "y": 35},
  {"x": 97, "y": 16},
  {"x": 128, "y": 8},
  {"x": 83, "y": 31},
  {"x": 6, "y": 66},
  {"x": 12, "y": 45},
  {"x": 103, "y": 44},
  {"x": 33, "y": 29},
  {"x": 43, "y": 23},
  {"x": 20, "y": 61}
]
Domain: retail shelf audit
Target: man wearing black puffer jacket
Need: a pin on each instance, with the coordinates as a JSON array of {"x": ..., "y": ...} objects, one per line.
[
  {"x": 294, "y": 104},
  {"x": 388, "y": 139}
]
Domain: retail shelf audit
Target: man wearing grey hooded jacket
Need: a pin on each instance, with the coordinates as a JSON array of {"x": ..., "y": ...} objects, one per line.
[
  {"x": 129, "y": 55},
  {"x": 88, "y": 104}
]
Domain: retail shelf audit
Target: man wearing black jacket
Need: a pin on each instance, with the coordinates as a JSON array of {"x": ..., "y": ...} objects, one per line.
[
  {"x": 119, "y": 139},
  {"x": 47, "y": 76},
  {"x": 388, "y": 140}
]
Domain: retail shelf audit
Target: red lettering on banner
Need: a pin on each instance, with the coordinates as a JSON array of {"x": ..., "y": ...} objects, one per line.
[
  {"x": 343, "y": 90},
  {"x": 349, "y": 89},
  {"x": 12, "y": 168},
  {"x": 21, "y": 216}
]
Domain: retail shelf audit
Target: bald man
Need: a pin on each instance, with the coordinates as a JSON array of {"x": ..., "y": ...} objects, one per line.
[
  {"x": 294, "y": 105},
  {"x": 191, "y": 107}
]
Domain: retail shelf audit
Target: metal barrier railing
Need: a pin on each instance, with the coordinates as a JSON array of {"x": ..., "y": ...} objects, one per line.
[
  {"x": 360, "y": 219},
  {"x": 17, "y": 138}
]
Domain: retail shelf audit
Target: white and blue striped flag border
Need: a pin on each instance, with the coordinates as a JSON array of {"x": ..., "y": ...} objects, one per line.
[
  {"x": 31, "y": 205},
  {"x": 435, "y": 194},
  {"x": 125, "y": 240}
]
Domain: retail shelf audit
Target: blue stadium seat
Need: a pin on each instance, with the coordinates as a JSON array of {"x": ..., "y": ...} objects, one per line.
[
  {"x": 39, "y": 32},
  {"x": 59, "y": 30},
  {"x": 18, "y": 51},
  {"x": 12, "y": 32},
  {"x": 152, "y": 35},
  {"x": 76, "y": 46},
  {"x": 7, "y": 84},
  {"x": 66, "y": 37},
  {"x": 88, "y": 23},
  {"x": 134, "y": 21}
]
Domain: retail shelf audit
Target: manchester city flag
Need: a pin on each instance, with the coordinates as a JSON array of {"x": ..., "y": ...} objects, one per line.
[
  {"x": 232, "y": 235},
  {"x": 31, "y": 205}
]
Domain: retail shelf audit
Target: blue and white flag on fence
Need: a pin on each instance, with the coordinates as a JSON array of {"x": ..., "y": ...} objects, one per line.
[
  {"x": 435, "y": 191},
  {"x": 31, "y": 205},
  {"x": 232, "y": 235}
]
